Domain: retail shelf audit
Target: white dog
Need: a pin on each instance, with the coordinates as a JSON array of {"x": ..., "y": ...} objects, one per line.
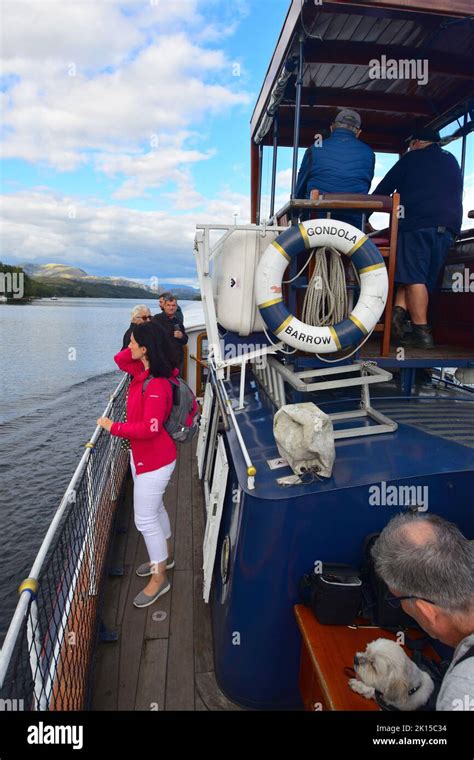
[{"x": 385, "y": 668}]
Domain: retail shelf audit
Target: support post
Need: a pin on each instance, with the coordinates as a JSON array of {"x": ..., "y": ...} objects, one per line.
[
  {"x": 254, "y": 182},
  {"x": 296, "y": 134},
  {"x": 463, "y": 147},
  {"x": 274, "y": 166}
]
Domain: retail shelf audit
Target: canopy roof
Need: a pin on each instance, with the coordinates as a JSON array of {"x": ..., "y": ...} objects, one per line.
[{"x": 342, "y": 37}]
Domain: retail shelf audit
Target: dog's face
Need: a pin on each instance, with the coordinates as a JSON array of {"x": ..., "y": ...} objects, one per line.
[{"x": 385, "y": 667}]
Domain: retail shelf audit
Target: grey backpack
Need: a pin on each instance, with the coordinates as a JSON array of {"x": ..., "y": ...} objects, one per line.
[{"x": 183, "y": 422}]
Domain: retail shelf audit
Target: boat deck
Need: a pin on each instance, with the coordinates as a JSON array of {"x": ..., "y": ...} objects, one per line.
[
  {"x": 163, "y": 659},
  {"x": 441, "y": 354}
]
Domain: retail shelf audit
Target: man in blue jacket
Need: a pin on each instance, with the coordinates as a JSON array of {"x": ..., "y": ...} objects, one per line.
[
  {"x": 341, "y": 164},
  {"x": 430, "y": 184}
]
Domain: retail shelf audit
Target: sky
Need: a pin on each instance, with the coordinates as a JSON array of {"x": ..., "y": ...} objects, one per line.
[{"x": 126, "y": 123}]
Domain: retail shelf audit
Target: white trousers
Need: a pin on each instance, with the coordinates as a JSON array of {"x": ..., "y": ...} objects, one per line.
[{"x": 151, "y": 517}]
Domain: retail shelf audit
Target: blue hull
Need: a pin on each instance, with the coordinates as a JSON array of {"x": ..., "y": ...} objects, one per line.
[{"x": 277, "y": 534}]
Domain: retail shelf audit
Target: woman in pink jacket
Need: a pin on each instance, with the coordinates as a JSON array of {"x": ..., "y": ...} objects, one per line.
[{"x": 153, "y": 451}]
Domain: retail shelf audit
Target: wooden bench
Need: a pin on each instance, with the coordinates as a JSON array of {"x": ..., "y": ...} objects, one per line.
[{"x": 326, "y": 651}]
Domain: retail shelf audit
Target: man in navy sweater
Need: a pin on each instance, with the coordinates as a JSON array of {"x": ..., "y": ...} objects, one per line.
[
  {"x": 174, "y": 327},
  {"x": 430, "y": 183},
  {"x": 341, "y": 164}
]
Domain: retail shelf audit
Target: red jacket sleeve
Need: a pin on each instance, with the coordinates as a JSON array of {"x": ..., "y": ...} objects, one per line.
[
  {"x": 157, "y": 406},
  {"x": 125, "y": 362}
]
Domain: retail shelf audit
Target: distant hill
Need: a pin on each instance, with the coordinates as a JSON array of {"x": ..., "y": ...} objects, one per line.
[
  {"x": 69, "y": 281},
  {"x": 180, "y": 291},
  {"x": 53, "y": 271}
]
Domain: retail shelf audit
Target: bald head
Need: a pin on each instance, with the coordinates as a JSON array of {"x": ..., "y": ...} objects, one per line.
[
  {"x": 426, "y": 556},
  {"x": 418, "y": 532}
]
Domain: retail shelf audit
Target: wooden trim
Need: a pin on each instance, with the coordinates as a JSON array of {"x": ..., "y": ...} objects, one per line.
[
  {"x": 184, "y": 371},
  {"x": 254, "y": 181},
  {"x": 199, "y": 363},
  {"x": 392, "y": 262},
  {"x": 365, "y": 100},
  {"x": 382, "y": 142},
  {"x": 361, "y": 53},
  {"x": 430, "y": 7}
]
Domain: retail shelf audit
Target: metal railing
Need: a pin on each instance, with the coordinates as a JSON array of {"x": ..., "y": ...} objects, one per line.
[
  {"x": 45, "y": 661},
  {"x": 227, "y": 412}
]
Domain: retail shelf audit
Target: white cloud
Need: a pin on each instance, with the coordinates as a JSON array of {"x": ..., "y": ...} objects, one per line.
[
  {"x": 283, "y": 179},
  {"x": 87, "y": 33},
  {"x": 40, "y": 227},
  {"x": 91, "y": 83},
  {"x": 192, "y": 282}
]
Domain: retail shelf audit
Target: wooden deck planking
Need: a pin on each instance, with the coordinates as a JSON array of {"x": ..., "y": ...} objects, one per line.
[
  {"x": 123, "y": 520},
  {"x": 180, "y": 675},
  {"x": 199, "y": 704},
  {"x": 371, "y": 350},
  {"x": 203, "y": 659},
  {"x": 170, "y": 500},
  {"x": 161, "y": 663},
  {"x": 132, "y": 633},
  {"x": 184, "y": 526},
  {"x": 107, "y": 660},
  {"x": 211, "y": 695},
  {"x": 152, "y": 677}
]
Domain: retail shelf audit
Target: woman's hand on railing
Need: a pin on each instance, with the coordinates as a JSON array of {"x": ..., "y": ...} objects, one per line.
[{"x": 105, "y": 423}]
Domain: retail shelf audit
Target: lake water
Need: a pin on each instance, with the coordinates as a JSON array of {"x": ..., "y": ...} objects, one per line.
[{"x": 56, "y": 376}]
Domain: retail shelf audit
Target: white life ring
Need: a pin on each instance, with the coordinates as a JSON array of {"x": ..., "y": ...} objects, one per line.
[{"x": 368, "y": 261}]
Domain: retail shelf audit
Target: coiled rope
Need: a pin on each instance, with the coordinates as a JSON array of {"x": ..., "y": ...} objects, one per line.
[{"x": 326, "y": 301}]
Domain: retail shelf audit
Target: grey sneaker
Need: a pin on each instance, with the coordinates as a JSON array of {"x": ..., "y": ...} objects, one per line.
[
  {"x": 145, "y": 570},
  {"x": 143, "y": 600}
]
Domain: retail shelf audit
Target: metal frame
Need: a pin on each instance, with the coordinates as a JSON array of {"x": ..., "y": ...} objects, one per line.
[
  {"x": 369, "y": 374},
  {"x": 205, "y": 253},
  {"x": 271, "y": 381},
  {"x": 296, "y": 132},
  {"x": 274, "y": 167}
]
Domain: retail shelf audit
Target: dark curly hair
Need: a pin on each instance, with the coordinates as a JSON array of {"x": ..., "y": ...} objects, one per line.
[{"x": 160, "y": 351}]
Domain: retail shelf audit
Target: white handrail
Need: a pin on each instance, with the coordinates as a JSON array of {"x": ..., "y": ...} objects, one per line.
[{"x": 251, "y": 469}]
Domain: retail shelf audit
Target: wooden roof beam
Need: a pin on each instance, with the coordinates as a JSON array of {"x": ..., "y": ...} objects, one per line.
[
  {"x": 454, "y": 8},
  {"x": 391, "y": 142},
  {"x": 366, "y": 100},
  {"x": 361, "y": 53}
]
